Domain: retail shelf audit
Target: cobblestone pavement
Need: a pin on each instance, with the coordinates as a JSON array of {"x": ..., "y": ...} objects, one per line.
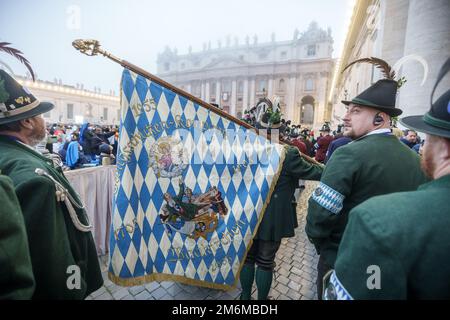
[{"x": 294, "y": 277}]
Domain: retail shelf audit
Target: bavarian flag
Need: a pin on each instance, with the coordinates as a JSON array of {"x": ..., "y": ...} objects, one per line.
[{"x": 192, "y": 185}]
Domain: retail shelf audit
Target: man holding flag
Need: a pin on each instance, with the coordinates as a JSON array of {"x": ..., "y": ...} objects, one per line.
[
  {"x": 168, "y": 136},
  {"x": 279, "y": 221},
  {"x": 192, "y": 187}
]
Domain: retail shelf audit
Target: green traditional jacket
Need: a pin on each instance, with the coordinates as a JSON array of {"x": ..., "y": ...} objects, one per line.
[
  {"x": 373, "y": 165},
  {"x": 406, "y": 237},
  {"x": 280, "y": 217},
  {"x": 16, "y": 275},
  {"x": 56, "y": 246}
]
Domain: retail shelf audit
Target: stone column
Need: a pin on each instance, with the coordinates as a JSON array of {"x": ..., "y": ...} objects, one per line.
[
  {"x": 189, "y": 88},
  {"x": 218, "y": 92},
  {"x": 393, "y": 21},
  {"x": 320, "y": 100},
  {"x": 252, "y": 93},
  {"x": 207, "y": 93},
  {"x": 202, "y": 92},
  {"x": 245, "y": 97},
  {"x": 427, "y": 35},
  {"x": 290, "y": 107},
  {"x": 233, "y": 98},
  {"x": 270, "y": 89}
]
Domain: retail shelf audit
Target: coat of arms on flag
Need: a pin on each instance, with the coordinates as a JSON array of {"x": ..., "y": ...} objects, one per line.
[{"x": 191, "y": 188}]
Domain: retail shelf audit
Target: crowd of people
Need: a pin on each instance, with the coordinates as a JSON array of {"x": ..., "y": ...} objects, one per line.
[
  {"x": 73, "y": 147},
  {"x": 378, "y": 215},
  {"x": 87, "y": 145},
  {"x": 322, "y": 146}
]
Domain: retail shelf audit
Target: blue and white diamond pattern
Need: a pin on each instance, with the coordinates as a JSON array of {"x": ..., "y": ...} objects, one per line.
[
  {"x": 328, "y": 198},
  {"x": 140, "y": 244},
  {"x": 341, "y": 292}
]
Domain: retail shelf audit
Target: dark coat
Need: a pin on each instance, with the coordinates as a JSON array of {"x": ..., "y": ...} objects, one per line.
[
  {"x": 336, "y": 143},
  {"x": 280, "y": 217},
  {"x": 55, "y": 244},
  {"x": 373, "y": 165},
  {"x": 16, "y": 276},
  {"x": 323, "y": 143},
  {"x": 407, "y": 236}
]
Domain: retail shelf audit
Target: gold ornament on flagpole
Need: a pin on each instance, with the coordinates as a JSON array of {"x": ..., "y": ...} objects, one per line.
[
  {"x": 88, "y": 47},
  {"x": 91, "y": 47}
]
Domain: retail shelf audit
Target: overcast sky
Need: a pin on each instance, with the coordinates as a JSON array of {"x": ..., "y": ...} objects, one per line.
[{"x": 137, "y": 30}]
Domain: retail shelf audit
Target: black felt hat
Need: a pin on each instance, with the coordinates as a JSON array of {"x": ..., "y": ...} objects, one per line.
[
  {"x": 437, "y": 120},
  {"x": 16, "y": 102},
  {"x": 382, "y": 94},
  {"x": 325, "y": 128}
]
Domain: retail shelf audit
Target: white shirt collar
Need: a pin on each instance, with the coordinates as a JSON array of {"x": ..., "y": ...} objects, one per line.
[
  {"x": 377, "y": 131},
  {"x": 33, "y": 149}
]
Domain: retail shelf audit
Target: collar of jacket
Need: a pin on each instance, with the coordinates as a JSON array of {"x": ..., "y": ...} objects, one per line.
[
  {"x": 22, "y": 146},
  {"x": 384, "y": 132},
  {"x": 55, "y": 172},
  {"x": 442, "y": 182}
]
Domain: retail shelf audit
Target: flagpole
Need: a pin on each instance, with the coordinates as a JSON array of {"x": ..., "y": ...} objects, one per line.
[{"x": 91, "y": 47}]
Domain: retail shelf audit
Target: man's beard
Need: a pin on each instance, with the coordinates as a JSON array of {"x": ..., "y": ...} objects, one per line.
[
  {"x": 37, "y": 136},
  {"x": 348, "y": 132},
  {"x": 427, "y": 165}
]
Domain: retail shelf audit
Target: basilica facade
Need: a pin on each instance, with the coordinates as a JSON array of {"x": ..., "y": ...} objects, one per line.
[{"x": 235, "y": 76}]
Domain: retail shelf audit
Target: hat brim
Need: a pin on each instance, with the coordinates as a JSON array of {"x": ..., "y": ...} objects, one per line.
[
  {"x": 417, "y": 123},
  {"x": 393, "y": 112},
  {"x": 41, "y": 108},
  {"x": 346, "y": 102}
]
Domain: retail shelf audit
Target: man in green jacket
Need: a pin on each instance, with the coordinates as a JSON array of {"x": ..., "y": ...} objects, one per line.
[
  {"x": 374, "y": 163},
  {"x": 16, "y": 276},
  {"x": 62, "y": 250},
  {"x": 397, "y": 246},
  {"x": 278, "y": 222}
]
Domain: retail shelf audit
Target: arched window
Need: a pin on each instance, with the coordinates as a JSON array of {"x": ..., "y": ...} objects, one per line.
[
  {"x": 226, "y": 86},
  {"x": 307, "y": 110},
  {"x": 262, "y": 85},
  {"x": 196, "y": 89},
  {"x": 240, "y": 87},
  {"x": 281, "y": 85},
  {"x": 309, "y": 85}
]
